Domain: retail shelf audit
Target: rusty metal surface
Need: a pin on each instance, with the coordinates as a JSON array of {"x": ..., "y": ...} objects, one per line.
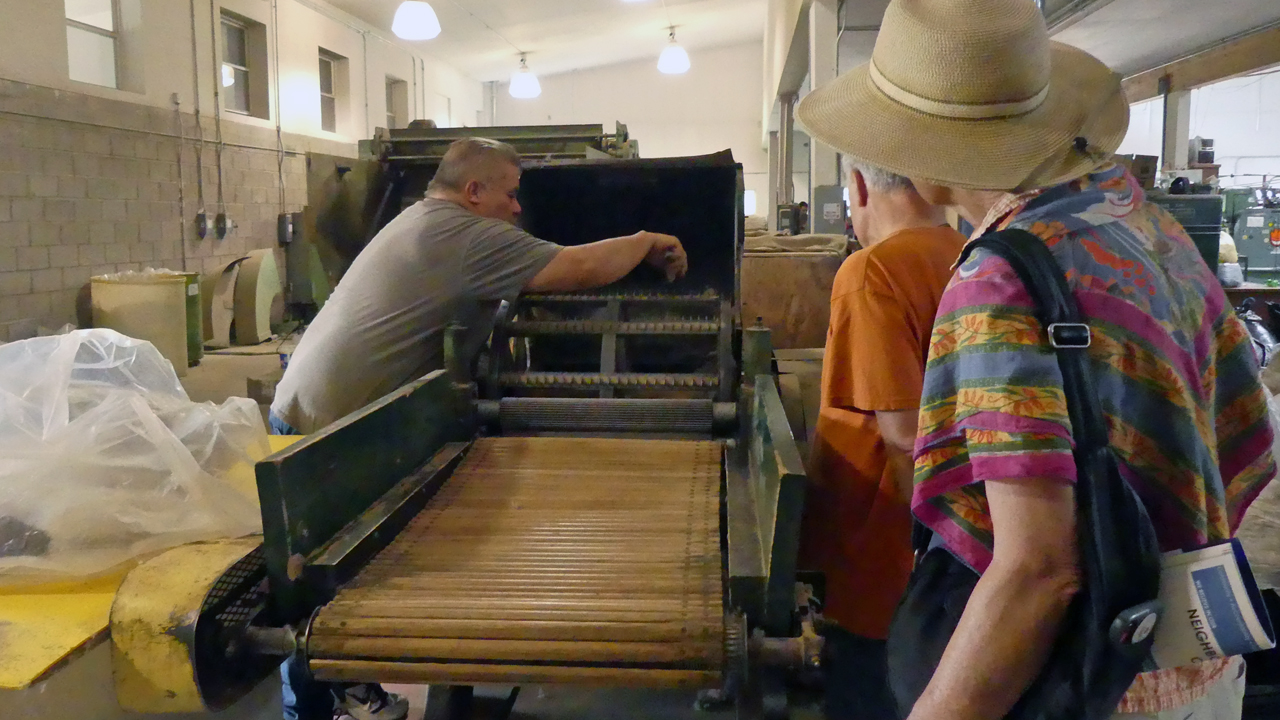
[{"x": 572, "y": 560}]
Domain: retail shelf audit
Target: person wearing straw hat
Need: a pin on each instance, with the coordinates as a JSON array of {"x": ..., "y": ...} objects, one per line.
[{"x": 972, "y": 101}]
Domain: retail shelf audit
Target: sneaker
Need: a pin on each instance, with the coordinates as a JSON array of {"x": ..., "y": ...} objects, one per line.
[{"x": 371, "y": 702}]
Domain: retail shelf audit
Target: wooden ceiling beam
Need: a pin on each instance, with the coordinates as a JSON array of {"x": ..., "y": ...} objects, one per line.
[{"x": 1246, "y": 53}]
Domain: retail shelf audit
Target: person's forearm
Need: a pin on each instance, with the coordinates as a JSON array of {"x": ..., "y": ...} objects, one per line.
[
  {"x": 898, "y": 429},
  {"x": 903, "y": 471},
  {"x": 609, "y": 260},
  {"x": 1004, "y": 637}
]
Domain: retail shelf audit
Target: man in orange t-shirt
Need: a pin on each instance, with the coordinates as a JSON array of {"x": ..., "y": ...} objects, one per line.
[{"x": 858, "y": 521}]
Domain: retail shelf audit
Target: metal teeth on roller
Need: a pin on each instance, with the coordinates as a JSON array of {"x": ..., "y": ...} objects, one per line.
[
  {"x": 617, "y": 380},
  {"x": 601, "y": 327},
  {"x": 606, "y": 415},
  {"x": 704, "y": 296}
]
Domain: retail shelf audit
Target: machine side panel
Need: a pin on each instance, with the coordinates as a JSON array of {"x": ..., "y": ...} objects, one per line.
[
  {"x": 779, "y": 486},
  {"x": 312, "y": 490},
  {"x": 343, "y": 196}
]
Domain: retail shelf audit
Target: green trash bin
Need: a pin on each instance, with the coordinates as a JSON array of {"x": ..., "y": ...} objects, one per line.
[{"x": 195, "y": 319}]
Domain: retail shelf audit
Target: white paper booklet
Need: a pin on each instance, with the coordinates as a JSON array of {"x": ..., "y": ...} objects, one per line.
[{"x": 1212, "y": 607}]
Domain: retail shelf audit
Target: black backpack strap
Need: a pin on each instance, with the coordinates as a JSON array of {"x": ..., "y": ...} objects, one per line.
[{"x": 1057, "y": 311}]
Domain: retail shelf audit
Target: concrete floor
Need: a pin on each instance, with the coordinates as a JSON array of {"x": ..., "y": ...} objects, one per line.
[{"x": 219, "y": 376}]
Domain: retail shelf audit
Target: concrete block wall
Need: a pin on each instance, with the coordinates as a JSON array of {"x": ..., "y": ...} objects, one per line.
[{"x": 91, "y": 186}]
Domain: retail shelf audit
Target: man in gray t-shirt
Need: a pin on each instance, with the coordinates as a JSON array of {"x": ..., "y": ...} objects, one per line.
[{"x": 452, "y": 257}]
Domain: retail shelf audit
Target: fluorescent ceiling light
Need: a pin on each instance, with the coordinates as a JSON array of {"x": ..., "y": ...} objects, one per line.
[
  {"x": 524, "y": 84},
  {"x": 673, "y": 60},
  {"x": 415, "y": 21}
]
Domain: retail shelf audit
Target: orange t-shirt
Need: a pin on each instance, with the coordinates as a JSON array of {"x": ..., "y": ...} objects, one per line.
[{"x": 856, "y": 529}]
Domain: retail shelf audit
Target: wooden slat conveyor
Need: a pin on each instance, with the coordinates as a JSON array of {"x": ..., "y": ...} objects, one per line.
[{"x": 545, "y": 560}]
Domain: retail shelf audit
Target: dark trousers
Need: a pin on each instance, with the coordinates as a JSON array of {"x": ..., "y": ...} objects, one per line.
[
  {"x": 856, "y": 675},
  {"x": 304, "y": 698}
]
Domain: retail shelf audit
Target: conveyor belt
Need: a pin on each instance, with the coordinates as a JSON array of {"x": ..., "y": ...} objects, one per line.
[{"x": 545, "y": 560}]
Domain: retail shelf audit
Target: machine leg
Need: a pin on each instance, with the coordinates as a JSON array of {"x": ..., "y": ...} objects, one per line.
[
  {"x": 462, "y": 702},
  {"x": 764, "y": 696}
]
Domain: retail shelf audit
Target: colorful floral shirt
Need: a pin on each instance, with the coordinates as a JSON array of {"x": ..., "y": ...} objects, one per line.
[{"x": 1173, "y": 366}]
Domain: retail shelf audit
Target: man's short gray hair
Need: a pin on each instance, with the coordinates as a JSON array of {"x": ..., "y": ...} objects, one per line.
[
  {"x": 472, "y": 159},
  {"x": 877, "y": 178}
]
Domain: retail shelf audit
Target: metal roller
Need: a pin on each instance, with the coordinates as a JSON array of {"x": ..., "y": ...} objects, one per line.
[
  {"x": 647, "y": 381},
  {"x": 621, "y": 415},
  {"x": 601, "y": 327},
  {"x": 637, "y": 296}
]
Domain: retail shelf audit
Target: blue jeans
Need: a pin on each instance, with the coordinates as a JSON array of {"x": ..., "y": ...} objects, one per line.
[
  {"x": 278, "y": 426},
  {"x": 857, "y": 678},
  {"x": 304, "y": 698}
]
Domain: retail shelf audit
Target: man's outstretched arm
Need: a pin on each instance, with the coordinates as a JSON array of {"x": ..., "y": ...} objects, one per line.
[{"x": 580, "y": 267}]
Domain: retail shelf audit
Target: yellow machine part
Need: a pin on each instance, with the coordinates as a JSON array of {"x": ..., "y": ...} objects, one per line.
[
  {"x": 42, "y": 627},
  {"x": 153, "y": 623}
]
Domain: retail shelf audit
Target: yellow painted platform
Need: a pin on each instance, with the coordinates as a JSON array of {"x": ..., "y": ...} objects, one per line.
[{"x": 42, "y": 627}]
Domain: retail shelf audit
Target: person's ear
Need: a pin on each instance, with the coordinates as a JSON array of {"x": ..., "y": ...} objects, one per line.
[
  {"x": 861, "y": 194},
  {"x": 472, "y": 191}
]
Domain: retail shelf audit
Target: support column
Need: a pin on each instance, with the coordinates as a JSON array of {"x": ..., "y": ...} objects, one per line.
[
  {"x": 786, "y": 149},
  {"x": 770, "y": 198},
  {"x": 824, "y": 33},
  {"x": 1176, "y": 133}
]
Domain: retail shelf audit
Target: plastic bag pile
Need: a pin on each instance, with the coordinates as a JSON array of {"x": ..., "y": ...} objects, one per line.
[{"x": 104, "y": 458}]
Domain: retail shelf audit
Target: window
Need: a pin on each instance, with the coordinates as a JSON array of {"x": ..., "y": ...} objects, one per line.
[
  {"x": 235, "y": 65},
  {"x": 328, "y": 92},
  {"x": 92, "y": 34},
  {"x": 397, "y": 103},
  {"x": 244, "y": 59}
]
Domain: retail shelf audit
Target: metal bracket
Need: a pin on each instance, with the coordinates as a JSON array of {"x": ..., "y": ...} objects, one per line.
[{"x": 349, "y": 550}]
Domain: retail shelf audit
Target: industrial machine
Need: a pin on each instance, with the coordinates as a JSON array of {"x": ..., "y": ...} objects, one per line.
[
  {"x": 1257, "y": 231},
  {"x": 609, "y": 495},
  {"x": 1200, "y": 216},
  {"x": 350, "y": 200}
]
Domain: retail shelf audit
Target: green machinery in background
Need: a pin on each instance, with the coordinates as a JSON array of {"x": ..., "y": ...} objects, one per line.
[
  {"x": 1254, "y": 221},
  {"x": 350, "y": 199}
]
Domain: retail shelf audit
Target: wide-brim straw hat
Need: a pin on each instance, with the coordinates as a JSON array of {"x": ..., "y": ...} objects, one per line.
[{"x": 972, "y": 94}]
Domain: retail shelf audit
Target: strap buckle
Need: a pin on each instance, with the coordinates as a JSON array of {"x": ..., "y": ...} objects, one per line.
[{"x": 1070, "y": 336}]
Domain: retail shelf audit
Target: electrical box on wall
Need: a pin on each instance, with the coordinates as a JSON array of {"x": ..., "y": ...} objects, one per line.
[{"x": 827, "y": 216}]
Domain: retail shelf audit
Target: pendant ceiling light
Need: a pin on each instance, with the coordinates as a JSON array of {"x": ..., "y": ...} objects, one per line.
[
  {"x": 673, "y": 60},
  {"x": 524, "y": 84},
  {"x": 415, "y": 21}
]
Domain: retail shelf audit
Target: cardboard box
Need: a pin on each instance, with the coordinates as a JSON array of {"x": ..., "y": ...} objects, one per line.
[{"x": 1143, "y": 168}]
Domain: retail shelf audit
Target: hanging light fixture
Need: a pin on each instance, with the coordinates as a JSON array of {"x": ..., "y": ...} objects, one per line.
[
  {"x": 673, "y": 60},
  {"x": 415, "y": 21},
  {"x": 524, "y": 84},
  {"x": 228, "y": 76}
]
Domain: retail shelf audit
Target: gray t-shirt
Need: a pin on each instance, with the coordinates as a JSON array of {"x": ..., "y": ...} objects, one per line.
[{"x": 384, "y": 324}]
